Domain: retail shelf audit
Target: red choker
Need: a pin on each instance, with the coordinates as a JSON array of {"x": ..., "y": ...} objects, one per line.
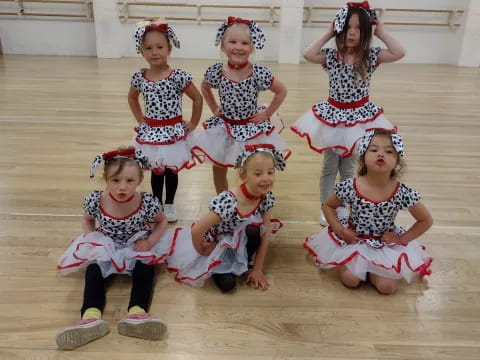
[
  {"x": 121, "y": 202},
  {"x": 247, "y": 194},
  {"x": 237, "y": 67}
]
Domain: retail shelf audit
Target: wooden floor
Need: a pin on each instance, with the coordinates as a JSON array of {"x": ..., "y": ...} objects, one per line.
[{"x": 57, "y": 113}]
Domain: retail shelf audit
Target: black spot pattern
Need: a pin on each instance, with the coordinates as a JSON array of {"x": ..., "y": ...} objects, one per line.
[
  {"x": 238, "y": 100},
  {"x": 225, "y": 206},
  {"x": 163, "y": 101},
  {"x": 370, "y": 218},
  {"x": 122, "y": 230},
  {"x": 346, "y": 85}
]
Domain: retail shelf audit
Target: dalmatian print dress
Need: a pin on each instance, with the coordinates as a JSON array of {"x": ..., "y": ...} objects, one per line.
[
  {"x": 230, "y": 255},
  {"x": 341, "y": 120},
  {"x": 162, "y": 137},
  {"x": 225, "y": 136},
  {"x": 370, "y": 219},
  {"x": 111, "y": 244}
]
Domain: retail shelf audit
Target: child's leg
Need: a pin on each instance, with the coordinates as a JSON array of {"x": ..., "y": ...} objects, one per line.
[
  {"x": 385, "y": 286},
  {"x": 225, "y": 282},
  {"x": 348, "y": 278},
  {"x": 157, "y": 185},
  {"x": 171, "y": 184},
  {"x": 347, "y": 168},
  {"x": 138, "y": 323},
  {"x": 91, "y": 327},
  {"x": 220, "y": 178},
  {"x": 253, "y": 240},
  {"x": 331, "y": 161}
]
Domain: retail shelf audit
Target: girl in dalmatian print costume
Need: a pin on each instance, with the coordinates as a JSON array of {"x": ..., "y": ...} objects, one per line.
[
  {"x": 333, "y": 127},
  {"x": 163, "y": 136},
  {"x": 368, "y": 242},
  {"x": 238, "y": 120},
  {"x": 124, "y": 233},
  {"x": 236, "y": 229}
]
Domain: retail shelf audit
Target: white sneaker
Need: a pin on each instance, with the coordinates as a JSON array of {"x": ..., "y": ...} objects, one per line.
[
  {"x": 321, "y": 220},
  {"x": 170, "y": 213}
]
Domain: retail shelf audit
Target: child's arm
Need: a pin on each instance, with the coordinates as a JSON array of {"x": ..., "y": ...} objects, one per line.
[
  {"x": 134, "y": 104},
  {"x": 197, "y": 103},
  {"x": 161, "y": 223},
  {"x": 423, "y": 223},
  {"x": 199, "y": 229},
  {"x": 256, "y": 275},
  {"x": 312, "y": 52},
  {"x": 330, "y": 212},
  {"x": 394, "y": 50},
  {"x": 280, "y": 92},
  {"x": 88, "y": 223},
  {"x": 209, "y": 98}
]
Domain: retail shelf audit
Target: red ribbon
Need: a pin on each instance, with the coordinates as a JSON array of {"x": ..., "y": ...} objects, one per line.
[
  {"x": 364, "y": 4},
  {"x": 234, "y": 20},
  {"x": 254, "y": 147},
  {"x": 162, "y": 27},
  {"x": 128, "y": 152}
]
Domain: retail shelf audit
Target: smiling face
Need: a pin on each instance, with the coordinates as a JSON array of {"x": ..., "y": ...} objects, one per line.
[
  {"x": 259, "y": 174},
  {"x": 237, "y": 44},
  {"x": 122, "y": 180},
  {"x": 156, "y": 48},
  {"x": 381, "y": 155}
]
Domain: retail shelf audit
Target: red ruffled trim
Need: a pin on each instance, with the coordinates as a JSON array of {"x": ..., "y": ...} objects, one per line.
[{"x": 421, "y": 270}]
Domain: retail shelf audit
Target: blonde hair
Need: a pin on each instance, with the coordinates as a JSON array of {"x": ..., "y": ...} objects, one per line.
[
  {"x": 156, "y": 19},
  {"x": 234, "y": 26},
  {"x": 395, "y": 174},
  {"x": 242, "y": 171}
]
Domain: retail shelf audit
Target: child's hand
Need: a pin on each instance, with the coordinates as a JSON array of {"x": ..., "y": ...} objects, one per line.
[
  {"x": 379, "y": 29},
  {"x": 331, "y": 30},
  {"x": 143, "y": 245},
  {"x": 349, "y": 235},
  {"x": 391, "y": 237},
  {"x": 207, "y": 247},
  {"x": 257, "y": 278},
  {"x": 259, "y": 117},
  {"x": 189, "y": 126}
]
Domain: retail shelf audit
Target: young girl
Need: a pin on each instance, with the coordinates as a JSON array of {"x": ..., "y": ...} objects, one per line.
[
  {"x": 237, "y": 226},
  {"x": 123, "y": 242},
  {"x": 238, "y": 119},
  {"x": 332, "y": 127},
  {"x": 163, "y": 135},
  {"x": 368, "y": 242}
]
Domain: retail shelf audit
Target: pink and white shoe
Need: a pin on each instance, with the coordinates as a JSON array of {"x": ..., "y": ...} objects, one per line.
[
  {"x": 81, "y": 333},
  {"x": 142, "y": 326}
]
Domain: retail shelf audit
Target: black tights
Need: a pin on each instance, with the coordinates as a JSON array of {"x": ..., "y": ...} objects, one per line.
[
  {"x": 95, "y": 287},
  {"x": 227, "y": 282},
  {"x": 171, "y": 184}
]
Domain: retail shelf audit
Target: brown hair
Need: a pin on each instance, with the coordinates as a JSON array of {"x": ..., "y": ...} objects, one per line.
[
  {"x": 363, "y": 51},
  {"x": 120, "y": 162},
  {"x": 395, "y": 174},
  {"x": 150, "y": 30}
]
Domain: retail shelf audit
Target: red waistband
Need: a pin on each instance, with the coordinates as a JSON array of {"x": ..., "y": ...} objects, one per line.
[
  {"x": 235, "y": 122},
  {"x": 349, "y": 105},
  {"x": 160, "y": 123}
]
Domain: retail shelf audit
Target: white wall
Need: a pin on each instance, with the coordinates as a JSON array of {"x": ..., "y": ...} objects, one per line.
[{"x": 438, "y": 45}]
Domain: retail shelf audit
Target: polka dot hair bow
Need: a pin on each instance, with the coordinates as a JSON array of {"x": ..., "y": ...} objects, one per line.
[
  {"x": 145, "y": 26},
  {"x": 364, "y": 142},
  {"x": 341, "y": 17},
  {"x": 129, "y": 153},
  {"x": 249, "y": 150},
  {"x": 256, "y": 34}
]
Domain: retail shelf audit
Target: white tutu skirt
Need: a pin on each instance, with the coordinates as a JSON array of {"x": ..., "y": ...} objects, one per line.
[
  {"x": 229, "y": 256},
  {"x": 97, "y": 248},
  {"x": 391, "y": 261},
  {"x": 217, "y": 145},
  {"x": 175, "y": 156},
  {"x": 322, "y": 135}
]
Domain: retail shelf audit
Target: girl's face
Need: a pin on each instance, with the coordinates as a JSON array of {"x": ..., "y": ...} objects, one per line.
[
  {"x": 352, "y": 35},
  {"x": 124, "y": 184},
  {"x": 259, "y": 174},
  {"x": 155, "y": 48},
  {"x": 237, "y": 44},
  {"x": 381, "y": 155}
]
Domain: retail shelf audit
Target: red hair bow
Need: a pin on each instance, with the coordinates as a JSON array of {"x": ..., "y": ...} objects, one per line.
[
  {"x": 128, "y": 152},
  {"x": 162, "y": 27},
  {"x": 234, "y": 20},
  {"x": 254, "y": 147},
  {"x": 364, "y": 4}
]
